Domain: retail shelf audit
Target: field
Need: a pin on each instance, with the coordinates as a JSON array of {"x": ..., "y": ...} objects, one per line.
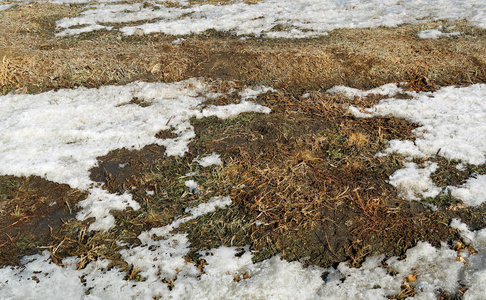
[{"x": 305, "y": 179}]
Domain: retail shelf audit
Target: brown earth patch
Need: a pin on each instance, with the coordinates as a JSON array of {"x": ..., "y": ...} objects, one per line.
[
  {"x": 310, "y": 186},
  {"x": 31, "y": 209}
]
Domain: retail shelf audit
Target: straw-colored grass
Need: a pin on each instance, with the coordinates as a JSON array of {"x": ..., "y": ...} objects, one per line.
[{"x": 32, "y": 59}]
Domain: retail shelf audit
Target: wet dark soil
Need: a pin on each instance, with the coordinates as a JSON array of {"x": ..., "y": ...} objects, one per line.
[{"x": 32, "y": 209}]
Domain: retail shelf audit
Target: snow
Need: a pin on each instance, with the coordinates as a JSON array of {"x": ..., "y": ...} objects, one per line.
[
  {"x": 414, "y": 183},
  {"x": 192, "y": 185},
  {"x": 163, "y": 259},
  {"x": 6, "y": 6},
  {"x": 99, "y": 203},
  {"x": 305, "y": 18},
  {"x": 437, "y": 33},
  {"x": 451, "y": 119},
  {"x": 202, "y": 209},
  {"x": 390, "y": 89},
  {"x": 472, "y": 192},
  {"x": 210, "y": 160}
]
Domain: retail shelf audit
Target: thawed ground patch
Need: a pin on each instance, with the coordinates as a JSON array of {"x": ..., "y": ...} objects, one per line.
[
  {"x": 32, "y": 209},
  {"x": 450, "y": 128}
]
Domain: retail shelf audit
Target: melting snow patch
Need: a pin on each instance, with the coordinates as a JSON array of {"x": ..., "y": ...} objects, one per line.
[
  {"x": 99, "y": 204},
  {"x": 162, "y": 260},
  {"x": 390, "y": 89},
  {"x": 212, "y": 205},
  {"x": 202, "y": 209},
  {"x": 436, "y": 33},
  {"x": 252, "y": 93},
  {"x": 475, "y": 275},
  {"x": 210, "y": 160},
  {"x": 192, "y": 185},
  {"x": 452, "y": 125},
  {"x": 452, "y": 122},
  {"x": 436, "y": 269},
  {"x": 407, "y": 148},
  {"x": 412, "y": 181},
  {"x": 472, "y": 192},
  {"x": 6, "y": 6},
  {"x": 58, "y": 135}
]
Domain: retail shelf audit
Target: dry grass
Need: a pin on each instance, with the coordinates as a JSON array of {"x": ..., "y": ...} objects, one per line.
[
  {"x": 310, "y": 178},
  {"x": 32, "y": 59}
]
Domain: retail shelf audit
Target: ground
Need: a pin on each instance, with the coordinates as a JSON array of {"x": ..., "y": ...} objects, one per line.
[{"x": 304, "y": 179}]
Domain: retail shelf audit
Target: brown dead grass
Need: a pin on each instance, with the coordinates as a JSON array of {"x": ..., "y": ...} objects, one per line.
[
  {"x": 310, "y": 185},
  {"x": 33, "y": 60}
]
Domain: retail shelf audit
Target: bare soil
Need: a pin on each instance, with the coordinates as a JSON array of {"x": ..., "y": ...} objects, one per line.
[{"x": 31, "y": 210}]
